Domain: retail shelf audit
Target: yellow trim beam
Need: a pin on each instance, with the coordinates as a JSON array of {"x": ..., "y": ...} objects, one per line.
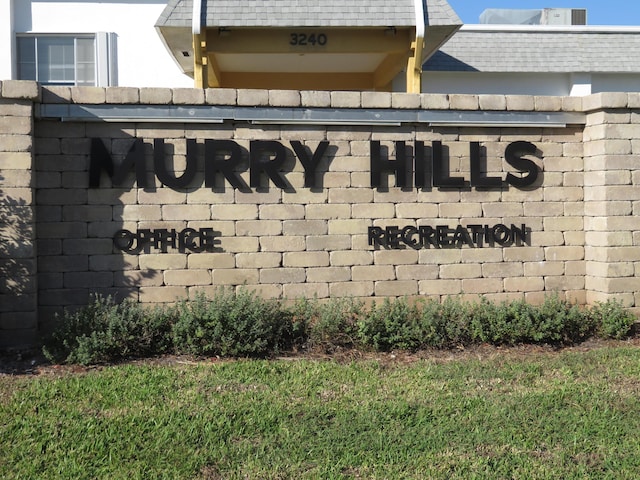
[{"x": 200, "y": 60}]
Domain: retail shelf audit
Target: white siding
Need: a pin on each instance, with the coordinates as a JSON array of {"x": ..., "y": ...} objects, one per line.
[
  {"x": 142, "y": 59},
  {"x": 6, "y": 40},
  {"x": 496, "y": 83}
]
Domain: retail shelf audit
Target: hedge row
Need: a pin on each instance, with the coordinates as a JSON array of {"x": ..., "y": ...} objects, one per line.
[{"x": 239, "y": 324}]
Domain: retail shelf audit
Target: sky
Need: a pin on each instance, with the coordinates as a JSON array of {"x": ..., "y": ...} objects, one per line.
[{"x": 599, "y": 12}]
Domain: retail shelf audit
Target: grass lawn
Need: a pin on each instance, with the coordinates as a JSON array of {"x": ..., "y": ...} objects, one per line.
[{"x": 489, "y": 414}]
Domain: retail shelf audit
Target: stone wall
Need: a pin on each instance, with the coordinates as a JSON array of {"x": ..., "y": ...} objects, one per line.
[{"x": 302, "y": 239}]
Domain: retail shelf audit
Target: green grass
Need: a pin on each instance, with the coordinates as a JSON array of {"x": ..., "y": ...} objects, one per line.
[{"x": 550, "y": 415}]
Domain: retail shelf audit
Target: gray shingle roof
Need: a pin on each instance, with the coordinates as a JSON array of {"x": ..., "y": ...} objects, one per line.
[
  {"x": 307, "y": 13},
  {"x": 534, "y": 50}
]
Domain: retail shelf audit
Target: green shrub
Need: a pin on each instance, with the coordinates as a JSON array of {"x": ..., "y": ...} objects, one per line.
[
  {"x": 448, "y": 323},
  {"x": 244, "y": 324},
  {"x": 106, "y": 331},
  {"x": 392, "y": 325},
  {"x": 330, "y": 325},
  {"x": 611, "y": 319},
  {"x": 231, "y": 324},
  {"x": 554, "y": 322}
]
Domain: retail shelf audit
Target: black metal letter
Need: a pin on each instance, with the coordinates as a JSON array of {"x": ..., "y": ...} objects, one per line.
[
  {"x": 263, "y": 163},
  {"x": 100, "y": 159},
  {"x": 441, "y": 177},
  {"x": 310, "y": 163},
  {"x": 513, "y": 155},
  {"x": 478, "y": 177},
  {"x": 213, "y": 165},
  {"x": 161, "y": 169},
  {"x": 400, "y": 165}
]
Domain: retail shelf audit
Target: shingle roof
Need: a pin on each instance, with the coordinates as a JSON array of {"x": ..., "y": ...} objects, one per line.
[
  {"x": 299, "y": 13},
  {"x": 539, "y": 49}
]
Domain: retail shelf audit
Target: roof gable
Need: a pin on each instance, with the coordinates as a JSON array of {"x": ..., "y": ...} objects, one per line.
[{"x": 307, "y": 13}]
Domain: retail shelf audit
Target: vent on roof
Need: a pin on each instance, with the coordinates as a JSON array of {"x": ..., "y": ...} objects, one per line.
[
  {"x": 547, "y": 16},
  {"x": 564, "y": 16}
]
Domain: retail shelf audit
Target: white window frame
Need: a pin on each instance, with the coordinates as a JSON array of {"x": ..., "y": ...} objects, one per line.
[{"x": 105, "y": 59}]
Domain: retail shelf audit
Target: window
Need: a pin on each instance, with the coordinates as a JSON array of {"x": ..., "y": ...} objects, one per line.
[{"x": 67, "y": 59}]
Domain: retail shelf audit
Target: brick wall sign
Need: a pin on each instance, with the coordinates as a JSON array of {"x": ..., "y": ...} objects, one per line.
[{"x": 156, "y": 194}]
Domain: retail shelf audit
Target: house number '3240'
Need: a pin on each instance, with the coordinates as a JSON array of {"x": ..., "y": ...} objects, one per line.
[{"x": 305, "y": 40}]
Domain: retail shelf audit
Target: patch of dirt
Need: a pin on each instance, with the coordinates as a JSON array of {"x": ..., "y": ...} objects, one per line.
[{"x": 32, "y": 362}]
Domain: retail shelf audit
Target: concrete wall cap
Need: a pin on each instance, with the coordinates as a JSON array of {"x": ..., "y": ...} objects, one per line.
[{"x": 20, "y": 89}]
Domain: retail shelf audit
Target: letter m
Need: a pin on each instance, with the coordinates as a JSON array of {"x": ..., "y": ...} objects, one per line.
[{"x": 100, "y": 160}]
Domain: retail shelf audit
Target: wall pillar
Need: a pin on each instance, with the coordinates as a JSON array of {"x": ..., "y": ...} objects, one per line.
[
  {"x": 612, "y": 197},
  {"x": 18, "y": 270}
]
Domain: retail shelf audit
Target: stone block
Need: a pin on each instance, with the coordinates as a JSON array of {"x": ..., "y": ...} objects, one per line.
[
  {"x": 187, "y": 96},
  {"x": 351, "y": 289},
  {"x": 464, "y": 102},
  {"x": 372, "y": 272},
  {"x": 282, "y": 275},
  {"x": 281, "y": 212},
  {"x": 123, "y": 95},
  {"x": 220, "y": 96},
  {"x": 166, "y": 294},
  {"x": 480, "y": 286},
  {"x": 16, "y": 125},
  {"x": 435, "y": 101},
  {"x": 440, "y": 287},
  {"x": 329, "y": 274},
  {"x": 188, "y": 277},
  {"x": 323, "y": 211},
  {"x": 315, "y": 98},
  {"x": 572, "y": 104},
  {"x": 492, "y": 102},
  {"x": 240, "y": 245},
  {"x": 236, "y": 276},
  {"x": 163, "y": 261},
  {"x": 253, "y": 97},
  {"x": 349, "y": 257},
  {"x": 524, "y": 103},
  {"x": 328, "y": 242},
  {"x": 259, "y": 260},
  {"x": 234, "y": 212},
  {"x": 548, "y": 103},
  {"x": 306, "y": 290},
  {"x": 405, "y": 256},
  {"x": 92, "y": 280},
  {"x": 211, "y": 261},
  {"x": 345, "y": 99},
  {"x": 403, "y": 100},
  {"x": 55, "y": 94},
  {"x": 348, "y": 227},
  {"x": 417, "y": 272},
  {"x": 186, "y": 212},
  {"x": 156, "y": 96},
  {"x": 351, "y": 195},
  {"x": 376, "y": 100},
  {"x": 304, "y": 227},
  {"x": 16, "y": 143},
  {"x": 288, "y": 243},
  {"x": 284, "y": 98},
  {"x": 305, "y": 259},
  {"x": 502, "y": 270},
  {"x": 605, "y": 100},
  {"x": 560, "y": 253},
  {"x": 92, "y": 95},
  {"x": 459, "y": 271},
  {"x": 21, "y": 89},
  {"x": 396, "y": 288}
]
